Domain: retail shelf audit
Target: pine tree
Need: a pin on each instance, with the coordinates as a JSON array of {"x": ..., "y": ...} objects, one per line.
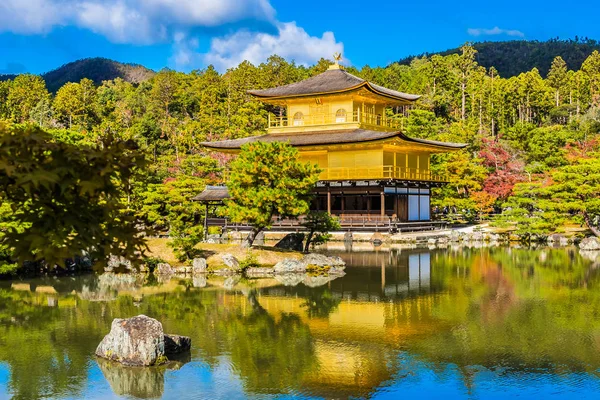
[
  {"x": 268, "y": 180},
  {"x": 591, "y": 67},
  {"x": 557, "y": 77}
]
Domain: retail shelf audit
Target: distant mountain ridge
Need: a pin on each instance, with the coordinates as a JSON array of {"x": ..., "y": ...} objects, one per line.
[
  {"x": 97, "y": 69},
  {"x": 510, "y": 58},
  {"x": 513, "y": 57}
]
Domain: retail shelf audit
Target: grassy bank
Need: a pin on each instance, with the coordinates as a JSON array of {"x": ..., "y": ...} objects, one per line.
[{"x": 264, "y": 255}]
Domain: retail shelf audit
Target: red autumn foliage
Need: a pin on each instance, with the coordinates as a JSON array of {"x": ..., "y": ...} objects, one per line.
[
  {"x": 579, "y": 150},
  {"x": 506, "y": 168}
]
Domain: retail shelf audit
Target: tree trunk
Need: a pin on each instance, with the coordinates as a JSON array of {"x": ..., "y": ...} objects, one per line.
[
  {"x": 308, "y": 240},
  {"x": 590, "y": 224},
  {"x": 464, "y": 99},
  {"x": 251, "y": 236},
  {"x": 480, "y": 114}
]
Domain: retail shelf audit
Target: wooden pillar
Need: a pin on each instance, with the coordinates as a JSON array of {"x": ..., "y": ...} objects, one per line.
[
  {"x": 368, "y": 206},
  {"x": 382, "y": 202},
  {"x": 328, "y": 201}
]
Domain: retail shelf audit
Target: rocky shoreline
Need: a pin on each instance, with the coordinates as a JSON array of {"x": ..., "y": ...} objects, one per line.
[
  {"x": 287, "y": 261},
  {"x": 463, "y": 235}
]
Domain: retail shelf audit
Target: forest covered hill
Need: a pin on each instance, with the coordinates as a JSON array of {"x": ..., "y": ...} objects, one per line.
[
  {"x": 97, "y": 69},
  {"x": 513, "y": 57},
  {"x": 510, "y": 58}
]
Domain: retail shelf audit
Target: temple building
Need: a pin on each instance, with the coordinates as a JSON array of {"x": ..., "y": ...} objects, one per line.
[{"x": 370, "y": 169}]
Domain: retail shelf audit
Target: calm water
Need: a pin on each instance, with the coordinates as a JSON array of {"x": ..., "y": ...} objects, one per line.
[{"x": 469, "y": 323}]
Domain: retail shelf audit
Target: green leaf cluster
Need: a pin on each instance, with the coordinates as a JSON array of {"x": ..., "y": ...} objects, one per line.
[
  {"x": 267, "y": 180},
  {"x": 65, "y": 199}
]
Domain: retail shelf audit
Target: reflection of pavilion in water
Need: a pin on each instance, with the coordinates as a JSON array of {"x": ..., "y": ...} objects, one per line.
[
  {"x": 375, "y": 275},
  {"x": 357, "y": 342}
]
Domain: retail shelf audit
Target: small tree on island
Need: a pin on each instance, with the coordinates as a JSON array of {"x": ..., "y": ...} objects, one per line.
[
  {"x": 319, "y": 224},
  {"x": 268, "y": 179}
]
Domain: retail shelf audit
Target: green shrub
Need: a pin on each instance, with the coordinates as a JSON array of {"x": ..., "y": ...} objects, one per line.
[
  {"x": 152, "y": 262},
  {"x": 249, "y": 262}
]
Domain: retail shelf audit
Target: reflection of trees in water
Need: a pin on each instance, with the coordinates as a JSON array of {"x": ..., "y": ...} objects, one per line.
[
  {"x": 47, "y": 349},
  {"x": 519, "y": 309},
  {"x": 271, "y": 355},
  {"x": 320, "y": 302}
]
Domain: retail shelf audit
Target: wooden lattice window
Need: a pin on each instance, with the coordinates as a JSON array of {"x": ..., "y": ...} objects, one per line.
[{"x": 340, "y": 115}]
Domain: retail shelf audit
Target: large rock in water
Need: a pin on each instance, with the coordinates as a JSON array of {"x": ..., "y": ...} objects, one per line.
[
  {"x": 199, "y": 266},
  {"x": 117, "y": 264},
  {"x": 140, "y": 341},
  {"x": 289, "y": 265},
  {"x": 312, "y": 260},
  {"x": 231, "y": 262},
  {"x": 164, "y": 269},
  {"x": 175, "y": 344},
  {"x": 321, "y": 260},
  {"x": 590, "y": 243},
  {"x": 291, "y": 241}
]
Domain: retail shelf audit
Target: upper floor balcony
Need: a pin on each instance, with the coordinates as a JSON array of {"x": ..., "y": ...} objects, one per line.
[
  {"x": 380, "y": 172},
  {"x": 300, "y": 122}
]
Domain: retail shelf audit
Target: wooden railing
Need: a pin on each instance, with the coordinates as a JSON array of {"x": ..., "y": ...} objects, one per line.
[
  {"x": 347, "y": 222},
  {"x": 376, "y": 120},
  {"x": 380, "y": 172}
]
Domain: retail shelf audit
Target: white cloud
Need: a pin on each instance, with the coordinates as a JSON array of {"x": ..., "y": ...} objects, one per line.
[
  {"x": 145, "y": 22},
  {"x": 291, "y": 42},
  {"x": 184, "y": 51},
  {"x": 128, "y": 21},
  {"x": 494, "y": 31},
  {"x": 30, "y": 16}
]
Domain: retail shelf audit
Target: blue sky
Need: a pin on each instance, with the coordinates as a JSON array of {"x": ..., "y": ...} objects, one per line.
[{"x": 39, "y": 35}]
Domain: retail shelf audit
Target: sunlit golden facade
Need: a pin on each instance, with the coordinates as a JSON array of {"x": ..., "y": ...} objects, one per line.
[{"x": 346, "y": 126}]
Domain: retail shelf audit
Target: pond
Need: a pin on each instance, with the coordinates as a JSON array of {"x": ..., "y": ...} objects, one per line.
[{"x": 462, "y": 323}]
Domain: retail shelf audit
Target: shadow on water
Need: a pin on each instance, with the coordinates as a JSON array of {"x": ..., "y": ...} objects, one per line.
[{"x": 482, "y": 322}]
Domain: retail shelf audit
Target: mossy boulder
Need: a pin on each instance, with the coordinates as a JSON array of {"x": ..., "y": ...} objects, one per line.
[{"x": 140, "y": 341}]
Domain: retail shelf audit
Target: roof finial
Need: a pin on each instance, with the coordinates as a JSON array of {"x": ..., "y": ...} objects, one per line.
[{"x": 336, "y": 57}]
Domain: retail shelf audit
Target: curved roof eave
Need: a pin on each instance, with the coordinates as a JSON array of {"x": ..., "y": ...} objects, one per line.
[
  {"x": 364, "y": 84},
  {"x": 363, "y": 137}
]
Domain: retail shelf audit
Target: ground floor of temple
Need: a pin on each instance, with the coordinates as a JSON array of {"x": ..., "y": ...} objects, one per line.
[
  {"x": 399, "y": 201},
  {"x": 394, "y": 206}
]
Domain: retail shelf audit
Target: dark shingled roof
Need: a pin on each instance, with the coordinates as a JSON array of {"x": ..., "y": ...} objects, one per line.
[
  {"x": 327, "y": 138},
  {"x": 330, "y": 81},
  {"x": 213, "y": 194}
]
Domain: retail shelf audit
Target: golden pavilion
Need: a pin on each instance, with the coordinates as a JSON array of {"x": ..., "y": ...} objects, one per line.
[{"x": 339, "y": 121}]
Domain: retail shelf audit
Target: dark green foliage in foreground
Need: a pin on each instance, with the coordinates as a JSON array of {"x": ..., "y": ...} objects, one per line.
[{"x": 65, "y": 199}]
